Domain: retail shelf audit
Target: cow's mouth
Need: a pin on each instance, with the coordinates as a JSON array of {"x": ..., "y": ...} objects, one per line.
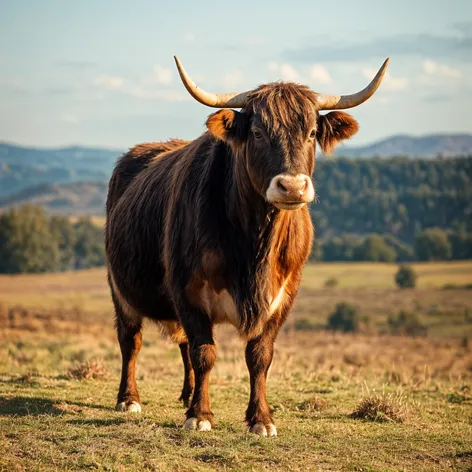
[{"x": 288, "y": 205}]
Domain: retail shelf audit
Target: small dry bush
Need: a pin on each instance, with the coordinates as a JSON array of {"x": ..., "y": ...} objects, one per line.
[
  {"x": 331, "y": 282},
  {"x": 93, "y": 369},
  {"x": 382, "y": 407}
]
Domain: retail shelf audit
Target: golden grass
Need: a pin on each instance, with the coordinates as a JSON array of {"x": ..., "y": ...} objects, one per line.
[
  {"x": 53, "y": 327},
  {"x": 381, "y": 275}
]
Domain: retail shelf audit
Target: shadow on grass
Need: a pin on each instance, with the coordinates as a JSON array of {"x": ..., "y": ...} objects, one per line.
[
  {"x": 97, "y": 422},
  {"x": 35, "y": 406},
  {"x": 27, "y": 406}
]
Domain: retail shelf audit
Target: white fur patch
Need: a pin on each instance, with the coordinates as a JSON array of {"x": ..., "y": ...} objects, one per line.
[
  {"x": 192, "y": 424},
  {"x": 133, "y": 407},
  {"x": 220, "y": 306},
  {"x": 279, "y": 299}
]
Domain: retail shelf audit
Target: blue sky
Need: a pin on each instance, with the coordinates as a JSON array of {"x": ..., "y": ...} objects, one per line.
[{"x": 101, "y": 72}]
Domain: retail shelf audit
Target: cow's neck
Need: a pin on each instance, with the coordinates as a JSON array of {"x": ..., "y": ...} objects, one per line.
[{"x": 260, "y": 221}]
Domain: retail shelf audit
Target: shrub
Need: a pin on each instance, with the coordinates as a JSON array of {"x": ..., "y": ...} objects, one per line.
[
  {"x": 407, "y": 324},
  {"x": 303, "y": 324},
  {"x": 344, "y": 318},
  {"x": 331, "y": 282},
  {"x": 405, "y": 277}
]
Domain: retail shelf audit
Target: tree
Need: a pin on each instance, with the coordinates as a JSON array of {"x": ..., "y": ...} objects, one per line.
[
  {"x": 374, "y": 248},
  {"x": 64, "y": 232},
  {"x": 405, "y": 277},
  {"x": 26, "y": 241},
  {"x": 89, "y": 246},
  {"x": 433, "y": 245}
]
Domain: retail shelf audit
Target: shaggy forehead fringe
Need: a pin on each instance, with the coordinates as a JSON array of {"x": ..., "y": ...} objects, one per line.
[{"x": 283, "y": 105}]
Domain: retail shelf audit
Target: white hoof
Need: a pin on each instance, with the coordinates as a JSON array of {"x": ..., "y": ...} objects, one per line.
[
  {"x": 133, "y": 407},
  {"x": 192, "y": 424},
  {"x": 271, "y": 430},
  {"x": 258, "y": 429}
]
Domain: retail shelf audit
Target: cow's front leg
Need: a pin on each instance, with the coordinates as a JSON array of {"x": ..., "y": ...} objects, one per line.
[
  {"x": 259, "y": 353},
  {"x": 202, "y": 347}
]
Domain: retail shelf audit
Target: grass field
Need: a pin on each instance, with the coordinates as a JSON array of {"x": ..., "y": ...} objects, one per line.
[{"x": 51, "y": 418}]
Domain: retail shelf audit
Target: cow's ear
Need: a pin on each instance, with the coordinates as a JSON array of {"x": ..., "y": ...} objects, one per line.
[
  {"x": 333, "y": 128},
  {"x": 228, "y": 125}
]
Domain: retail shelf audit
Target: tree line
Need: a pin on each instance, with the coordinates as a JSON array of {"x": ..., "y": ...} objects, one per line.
[
  {"x": 432, "y": 244},
  {"x": 389, "y": 210},
  {"x": 397, "y": 196},
  {"x": 32, "y": 242}
]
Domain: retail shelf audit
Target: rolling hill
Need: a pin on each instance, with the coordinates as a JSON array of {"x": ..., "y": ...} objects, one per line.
[
  {"x": 446, "y": 145},
  {"x": 73, "y": 179}
]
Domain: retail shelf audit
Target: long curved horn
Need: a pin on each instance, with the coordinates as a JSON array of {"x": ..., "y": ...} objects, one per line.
[
  {"x": 336, "y": 102},
  {"x": 216, "y": 100}
]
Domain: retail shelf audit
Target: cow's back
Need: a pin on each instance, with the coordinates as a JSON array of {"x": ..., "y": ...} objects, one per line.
[{"x": 133, "y": 162}]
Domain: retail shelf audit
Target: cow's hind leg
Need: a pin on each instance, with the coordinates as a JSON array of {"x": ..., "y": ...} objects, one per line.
[
  {"x": 259, "y": 354},
  {"x": 189, "y": 377},
  {"x": 174, "y": 330},
  {"x": 202, "y": 349},
  {"x": 130, "y": 338}
]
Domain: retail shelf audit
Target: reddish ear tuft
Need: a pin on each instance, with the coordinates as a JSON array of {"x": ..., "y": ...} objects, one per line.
[
  {"x": 220, "y": 123},
  {"x": 333, "y": 128}
]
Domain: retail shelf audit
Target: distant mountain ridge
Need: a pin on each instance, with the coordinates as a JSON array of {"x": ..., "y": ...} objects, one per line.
[
  {"x": 51, "y": 175},
  {"x": 433, "y": 145}
]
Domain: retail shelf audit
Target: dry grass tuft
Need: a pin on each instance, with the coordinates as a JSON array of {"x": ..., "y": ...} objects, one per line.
[
  {"x": 382, "y": 407},
  {"x": 93, "y": 369},
  {"x": 313, "y": 404}
]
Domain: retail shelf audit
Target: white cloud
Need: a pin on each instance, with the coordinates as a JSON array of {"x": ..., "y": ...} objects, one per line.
[
  {"x": 162, "y": 75},
  {"x": 16, "y": 84},
  {"x": 286, "y": 71},
  {"x": 432, "y": 68},
  {"x": 255, "y": 41},
  {"x": 188, "y": 37},
  {"x": 389, "y": 82},
  {"x": 69, "y": 118},
  {"x": 146, "y": 93},
  {"x": 289, "y": 73},
  {"x": 109, "y": 82},
  {"x": 233, "y": 79},
  {"x": 319, "y": 74}
]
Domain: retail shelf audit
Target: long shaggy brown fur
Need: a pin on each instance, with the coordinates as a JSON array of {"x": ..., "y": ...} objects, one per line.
[{"x": 192, "y": 241}]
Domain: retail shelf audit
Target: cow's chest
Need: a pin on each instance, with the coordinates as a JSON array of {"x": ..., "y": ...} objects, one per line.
[{"x": 221, "y": 306}]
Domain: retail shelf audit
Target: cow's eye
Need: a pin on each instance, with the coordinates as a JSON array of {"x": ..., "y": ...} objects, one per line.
[
  {"x": 257, "y": 134},
  {"x": 313, "y": 134}
]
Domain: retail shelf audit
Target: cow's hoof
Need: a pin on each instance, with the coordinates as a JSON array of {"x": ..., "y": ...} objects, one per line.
[
  {"x": 132, "y": 407},
  {"x": 192, "y": 424},
  {"x": 263, "y": 430}
]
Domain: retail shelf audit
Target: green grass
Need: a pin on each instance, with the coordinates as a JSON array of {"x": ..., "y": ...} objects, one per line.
[
  {"x": 68, "y": 425},
  {"x": 49, "y": 421}
]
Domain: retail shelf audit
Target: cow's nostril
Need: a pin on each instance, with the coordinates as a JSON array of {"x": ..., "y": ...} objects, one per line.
[{"x": 281, "y": 186}]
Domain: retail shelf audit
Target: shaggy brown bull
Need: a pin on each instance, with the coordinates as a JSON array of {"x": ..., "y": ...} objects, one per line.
[{"x": 217, "y": 230}]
